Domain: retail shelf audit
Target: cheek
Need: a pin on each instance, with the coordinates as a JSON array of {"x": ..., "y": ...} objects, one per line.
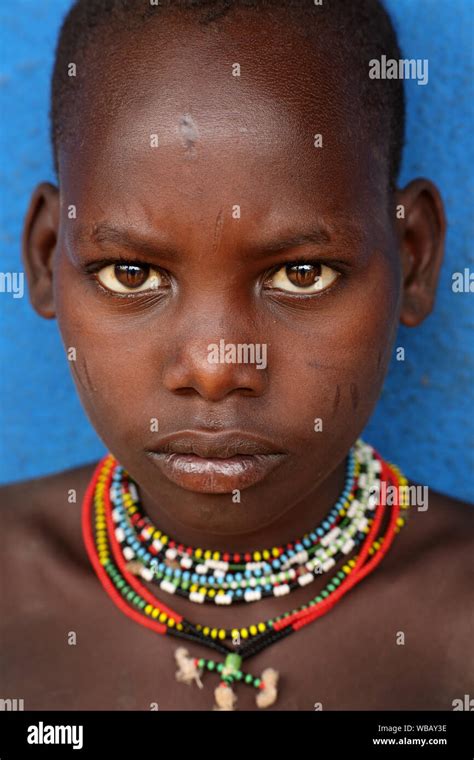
[{"x": 333, "y": 368}]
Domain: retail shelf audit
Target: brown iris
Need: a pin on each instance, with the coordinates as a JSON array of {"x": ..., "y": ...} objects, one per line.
[
  {"x": 303, "y": 275},
  {"x": 130, "y": 275}
]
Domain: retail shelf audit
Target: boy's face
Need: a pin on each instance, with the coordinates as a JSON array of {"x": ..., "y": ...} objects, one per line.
[{"x": 237, "y": 167}]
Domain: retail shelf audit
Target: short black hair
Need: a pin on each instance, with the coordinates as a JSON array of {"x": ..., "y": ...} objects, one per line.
[{"x": 360, "y": 30}]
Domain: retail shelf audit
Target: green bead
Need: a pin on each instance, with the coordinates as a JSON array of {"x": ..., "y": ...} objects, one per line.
[
  {"x": 248, "y": 678},
  {"x": 256, "y": 682},
  {"x": 201, "y": 662},
  {"x": 330, "y": 587},
  {"x": 233, "y": 661},
  {"x": 211, "y": 665}
]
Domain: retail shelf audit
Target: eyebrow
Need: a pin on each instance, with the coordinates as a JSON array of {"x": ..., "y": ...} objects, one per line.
[{"x": 104, "y": 232}]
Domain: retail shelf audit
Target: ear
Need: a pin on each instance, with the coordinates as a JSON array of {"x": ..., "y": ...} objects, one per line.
[
  {"x": 39, "y": 240},
  {"x": 421, "y": 234}
]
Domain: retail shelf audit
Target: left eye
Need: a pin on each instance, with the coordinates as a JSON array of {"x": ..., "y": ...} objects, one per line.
[
  {"x": 303, "y": 277},
  {"x": 129, "y": 278}
]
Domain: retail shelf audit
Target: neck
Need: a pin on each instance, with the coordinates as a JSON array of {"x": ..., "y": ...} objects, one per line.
[{"x": 296, "y": 520}]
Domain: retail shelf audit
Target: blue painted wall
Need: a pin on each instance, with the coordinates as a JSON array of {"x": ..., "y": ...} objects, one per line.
[{"x": 422, "y": 421}]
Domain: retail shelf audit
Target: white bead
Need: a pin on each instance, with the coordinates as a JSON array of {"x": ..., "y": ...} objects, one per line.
[
  {"x": 186, "y": 563},
  {"x": 171, "y": 553},
  {"x": 133, "y": 491},
  {"x": 157, "y": 545},
  {"x": 252, "y": 596},
  {"x": 353, "y": 508},
  {"x": 168, "y": 586},
  {"x": 128, "y": 553},
  {"x": 348, "y": 546},
  {"x": 329, "y": 537},
  {"x": 201, "y": 569},
  {"x": 195, "y": 596},
  {"x": 305, "y": 579},
  {"x": 116, "y": 516},
  {"x": 362, "y": 523},
  {"x": 146, "y": 574},
  {"x": 281, "y": 590},
  {"x": 120, "y": 534},
  {"x": 328, "y": 564},
  {"x": 223, "y": 599}
]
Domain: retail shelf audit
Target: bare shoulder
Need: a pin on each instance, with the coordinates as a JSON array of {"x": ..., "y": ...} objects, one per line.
[
  {"x": 435, "y": 569},
  {"x": 41, "y": 512}
]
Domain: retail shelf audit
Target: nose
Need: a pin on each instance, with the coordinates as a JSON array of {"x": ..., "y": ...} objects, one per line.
[{"x": 216, "y": 367}]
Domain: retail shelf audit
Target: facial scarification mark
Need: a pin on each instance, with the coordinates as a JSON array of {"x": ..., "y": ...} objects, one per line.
[
  {"x": 83, "y": 376},
  {"x": 337, "y": 399},
  {"x": 189, "y": 133},
  {"x": 218, "y": 230},
  {"x": 354, "y": 396}
]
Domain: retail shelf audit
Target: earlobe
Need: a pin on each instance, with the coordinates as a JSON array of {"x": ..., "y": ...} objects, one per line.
[
  {"x": 422, "y": 234},
  {"x": 39, "y": 240}
]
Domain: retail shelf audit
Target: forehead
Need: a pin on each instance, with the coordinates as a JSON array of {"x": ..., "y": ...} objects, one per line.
[{"x": 181, "y": 117}]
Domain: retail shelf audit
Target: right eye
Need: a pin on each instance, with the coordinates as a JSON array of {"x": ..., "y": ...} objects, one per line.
[{"x": 129, "y": 278}]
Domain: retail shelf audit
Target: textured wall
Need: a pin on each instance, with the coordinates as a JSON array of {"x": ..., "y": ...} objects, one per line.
[{"x": 422, "y": 420}]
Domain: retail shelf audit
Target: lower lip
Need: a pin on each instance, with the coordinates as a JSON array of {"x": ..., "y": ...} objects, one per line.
[{"x": 215, "y": 475}]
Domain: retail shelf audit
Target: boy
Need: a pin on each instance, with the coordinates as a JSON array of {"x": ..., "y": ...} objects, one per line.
[{"x": 227, "y": 172}]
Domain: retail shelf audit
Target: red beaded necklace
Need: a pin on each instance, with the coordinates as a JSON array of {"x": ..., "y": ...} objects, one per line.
[{"x": 139, "y": 604}]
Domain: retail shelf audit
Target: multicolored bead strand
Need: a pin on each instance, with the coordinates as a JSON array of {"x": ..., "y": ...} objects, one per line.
[{"x": 138, "y": 603}]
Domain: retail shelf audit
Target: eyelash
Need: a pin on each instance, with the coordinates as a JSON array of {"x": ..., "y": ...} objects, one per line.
[{"x": 92, "y": 268}]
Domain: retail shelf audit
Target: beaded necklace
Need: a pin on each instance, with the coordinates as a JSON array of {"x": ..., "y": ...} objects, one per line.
[{"x": 103, "y": 517}]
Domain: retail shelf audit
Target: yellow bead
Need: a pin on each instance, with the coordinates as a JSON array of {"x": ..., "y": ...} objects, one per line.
[
  {"x": 206, "y": 630},
  {"x": 163, "y": 617},
  {"x": 244, "y": 633},
  {"x": 207, "y": 554},
  {"x": 261, "y": 627},
  {"x": 198, "y": 553},
  {"x": 148, "y": 609},
  {"x": 203, "y": 590},
  {"x": 257, "y": 556},
  {"x": 253, "y": 630},
  {"x": 346, "y": 569},
  {"x": 222, "y": 633},
  {"x": 211, "y": 593},
  {"x": 266, "y": 554},
  {"x": 216, "y": 556},
  {"x": 155, "y": 613},
  {"x": 275, "y": 552},
  {"x": 179, "y": 626},
  {"x": 171, "y": 622},
  {"x": 214, "y": 633},
  {"x": 235, "y": 633}
]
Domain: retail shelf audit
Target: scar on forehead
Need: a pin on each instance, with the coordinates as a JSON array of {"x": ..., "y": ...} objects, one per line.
[{"x": 188, "y": 131}]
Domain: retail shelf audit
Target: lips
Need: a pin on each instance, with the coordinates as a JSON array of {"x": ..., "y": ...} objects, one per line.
[{"x": 215, "y": 462}]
